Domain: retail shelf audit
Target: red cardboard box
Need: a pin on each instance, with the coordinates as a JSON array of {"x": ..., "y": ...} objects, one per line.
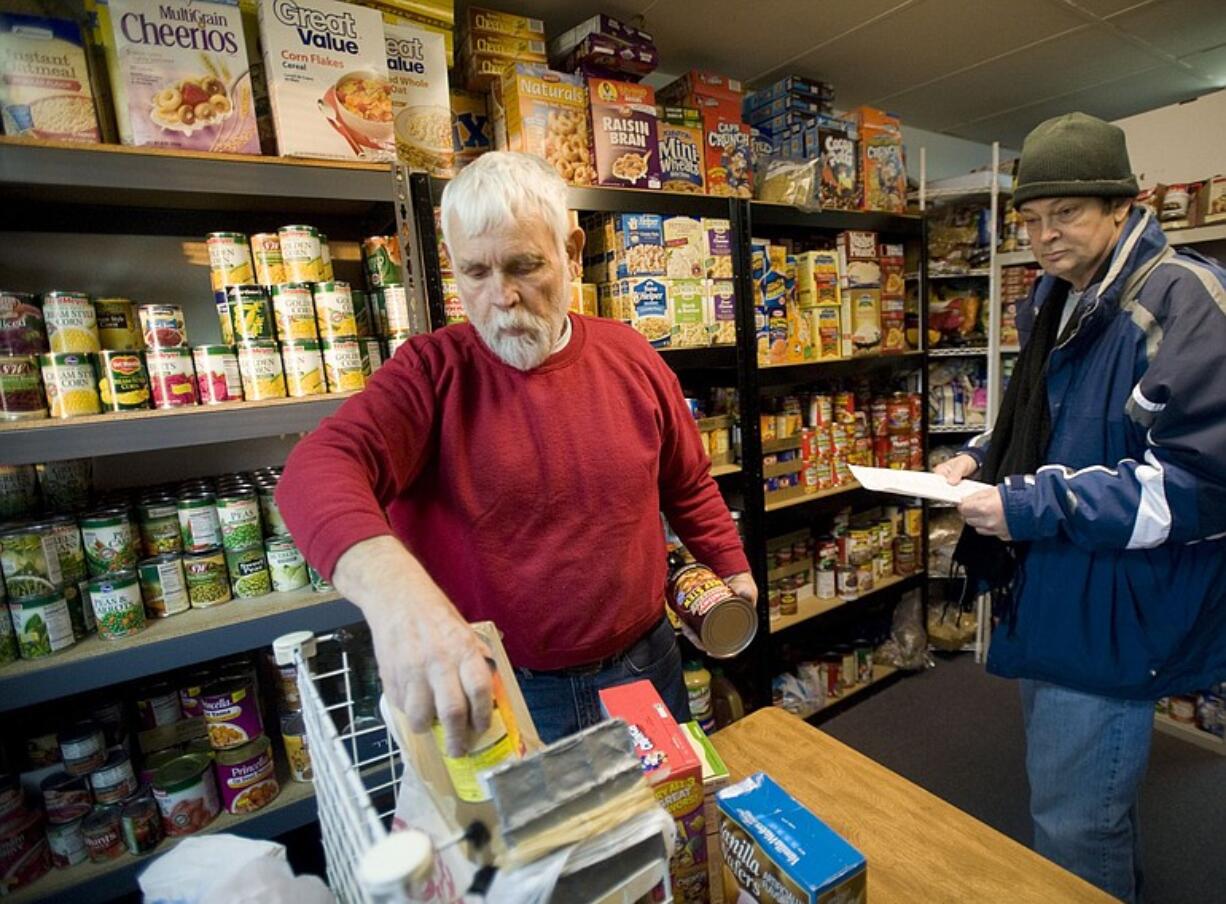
[
  {"x": 675, "y": 774},
  {"x": 700, "y": 83}
]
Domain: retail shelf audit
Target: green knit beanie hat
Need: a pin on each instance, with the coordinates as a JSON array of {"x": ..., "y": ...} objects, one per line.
[{"x": 1074, "y": 155}]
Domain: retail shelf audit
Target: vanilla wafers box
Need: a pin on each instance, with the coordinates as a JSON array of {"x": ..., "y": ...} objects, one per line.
[{"x": 326, "y": 64}]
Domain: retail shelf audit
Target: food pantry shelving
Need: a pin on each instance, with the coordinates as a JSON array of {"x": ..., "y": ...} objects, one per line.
[
  {"x": 733, "y": 365},
  {"x": 129, "y": 192}
]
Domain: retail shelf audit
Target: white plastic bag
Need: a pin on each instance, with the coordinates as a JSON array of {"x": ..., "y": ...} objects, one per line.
[{"x": 211, "y": 869}]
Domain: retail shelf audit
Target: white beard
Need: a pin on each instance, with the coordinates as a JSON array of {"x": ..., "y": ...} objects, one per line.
[{"x": 524, "y": 351}]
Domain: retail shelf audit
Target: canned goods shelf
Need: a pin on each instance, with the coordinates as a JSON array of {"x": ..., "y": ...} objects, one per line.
[
  {"x": 170, "y": 643},
  {"x": 1189, "y": 733},
  {"x": 969, "y": 274},
  {"x": 810, "y": 606},
  {"x": 53, "y": 439},
  {"x": 114, "y": 176},
  {"x": 789, "y": 374},
  {"x": 880, "y": 673},
  {"x": 812, "y": 497},
  {"x": 722, "y": 357},
  {"x": 89, "y": 882}
]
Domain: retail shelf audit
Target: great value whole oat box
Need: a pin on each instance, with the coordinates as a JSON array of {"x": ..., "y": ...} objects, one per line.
[
  {"x": 625, "y": 140},
  {"x": 180, "y": 75},
  {"x": 417, "y": 69},
  {"x": 675, "y": 775},
  {"x": 326, "y": 65},
  {"x": 777, "y": 852}
]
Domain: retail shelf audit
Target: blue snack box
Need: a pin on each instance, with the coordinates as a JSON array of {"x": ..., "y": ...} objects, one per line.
[{"x": 776, "y": 851}]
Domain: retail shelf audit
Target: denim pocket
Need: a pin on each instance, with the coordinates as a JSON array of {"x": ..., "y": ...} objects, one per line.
[{"x": 656, "y": 652}]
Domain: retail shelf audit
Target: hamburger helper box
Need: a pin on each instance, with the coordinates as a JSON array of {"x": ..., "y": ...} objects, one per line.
[
  {"x": 180, "y": 74},
  {"x": 675, "y": 775},
  {"x": 777, "y": 852},
  {"x": 326, "y": 66}
]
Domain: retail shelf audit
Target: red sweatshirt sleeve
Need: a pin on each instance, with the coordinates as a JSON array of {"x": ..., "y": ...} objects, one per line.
[
  {"x": 689, "y": 495},
  {"x": 339, "y": 479}
]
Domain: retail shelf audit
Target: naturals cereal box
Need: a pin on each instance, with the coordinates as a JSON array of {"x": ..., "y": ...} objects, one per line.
[
  {"x": 180, "y": 75},
  {"x": 682, "y": 143},
  {"x": 327, "y": 75},
  {"x": 417, "y": 70},
  {"x": 625, "y": 142},
  {"x": 546, "y": 113},
  {"x": 44, "y": 80}
]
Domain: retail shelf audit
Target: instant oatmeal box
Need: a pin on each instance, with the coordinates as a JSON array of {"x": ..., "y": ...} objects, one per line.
[
  {"x": 180, "y": 74},
  {"x": 539, "y": 111},
  {"x": 45, "y": 89}
]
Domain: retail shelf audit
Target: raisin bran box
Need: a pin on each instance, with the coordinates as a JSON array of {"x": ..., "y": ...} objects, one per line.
[
  {"x": 179, "y": 74},
  {"x": 326, "y": 65},
  {"x": 675, "y": 775},
  {"x": 777, "y": 852},
  {"x": 625, "y": 141}
]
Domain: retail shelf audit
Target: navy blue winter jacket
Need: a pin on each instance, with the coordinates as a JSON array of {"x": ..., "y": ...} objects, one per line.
[{"x": 1123, "y": 589}]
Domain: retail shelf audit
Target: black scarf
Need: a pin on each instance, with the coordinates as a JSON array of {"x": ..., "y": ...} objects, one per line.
[{"x": 1018, "y": 446}]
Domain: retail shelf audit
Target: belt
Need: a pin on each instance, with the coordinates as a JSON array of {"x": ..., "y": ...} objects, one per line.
[{"x": 591, "y": 668}]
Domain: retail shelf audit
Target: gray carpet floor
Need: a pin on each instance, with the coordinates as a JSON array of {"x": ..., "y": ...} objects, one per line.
[{"x": 957, "y": 731}]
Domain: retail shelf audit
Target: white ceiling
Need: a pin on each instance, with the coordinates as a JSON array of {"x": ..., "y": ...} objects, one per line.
[{"x": 979, "y": 69}]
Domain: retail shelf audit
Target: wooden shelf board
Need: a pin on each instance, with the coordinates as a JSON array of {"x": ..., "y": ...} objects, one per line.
[{"x": 810, "y": 606}]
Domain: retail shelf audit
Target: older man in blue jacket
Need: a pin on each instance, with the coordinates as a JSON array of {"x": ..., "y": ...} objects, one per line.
[{"x": 1105, "y": 539}]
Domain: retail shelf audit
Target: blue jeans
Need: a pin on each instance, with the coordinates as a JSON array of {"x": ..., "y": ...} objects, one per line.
[
  {"x": 563, "y": 702},
  {"x": 1086, "y": 756}
]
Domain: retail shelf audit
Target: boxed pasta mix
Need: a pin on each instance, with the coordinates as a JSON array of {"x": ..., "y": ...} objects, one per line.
[
  {"x": 624, "y": 245},
  {"x": 777, "y": 852},
  {"x": 539, "y": 111},
  {"x": 326, "y": 64},
  {"x": 180, "y": 74},
  {"x": 641, "y": 303},
  {"x": 721, "y": 311},
  {"x": 625, "y": 142},
  {"x": 45, "y": 90},
  {"x": 684, "y": 248},
  {"x": 687, "y": 310},
  {"x": 718, "y": 251},
  {"x": 421, "y": 101}
]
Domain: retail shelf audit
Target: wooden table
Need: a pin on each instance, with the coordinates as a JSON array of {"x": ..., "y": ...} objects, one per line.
[{"x": 918, "y": 847}]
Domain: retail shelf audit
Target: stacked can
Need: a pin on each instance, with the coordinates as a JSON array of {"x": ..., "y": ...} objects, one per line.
[
  {"x": 111, "y": 554},
  {"x": 338, "y": 332},
  {"x": 172, "y": 373},
  {"x": 242, "y": 537},
  {"x": 36, "y": 602}
]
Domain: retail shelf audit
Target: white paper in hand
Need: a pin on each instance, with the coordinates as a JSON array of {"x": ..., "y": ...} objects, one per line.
[{"x": 923, "y": 484}]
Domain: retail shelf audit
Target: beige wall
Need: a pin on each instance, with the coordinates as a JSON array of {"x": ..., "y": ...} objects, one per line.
[{"x": 1180, "y": 143}]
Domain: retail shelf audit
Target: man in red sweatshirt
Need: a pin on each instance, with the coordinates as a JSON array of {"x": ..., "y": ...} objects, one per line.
[{"x": 512, "y": 469}]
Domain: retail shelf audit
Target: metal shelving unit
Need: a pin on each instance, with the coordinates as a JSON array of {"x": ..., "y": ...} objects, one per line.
[
  {"x": 811, "y": 606},
  {"x": 28, "y": 442}
]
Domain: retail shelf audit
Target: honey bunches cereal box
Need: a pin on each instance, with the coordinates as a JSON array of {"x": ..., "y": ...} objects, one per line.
[
  {"x": 326, "y": 64},
  {"x": 179, "y": 74},
  {"x": 44, "y": 80}
]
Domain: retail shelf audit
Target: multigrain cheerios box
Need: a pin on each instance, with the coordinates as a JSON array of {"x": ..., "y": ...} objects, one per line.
[
  {"x": 326, "y": 66},
  {"x": 45, "y": 89},
  {"x": 777, "y": 852},
  {"x": 180, "y": 75}
]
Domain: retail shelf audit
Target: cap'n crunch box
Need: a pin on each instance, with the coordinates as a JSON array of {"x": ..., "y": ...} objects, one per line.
[
  {"x": 727, "y": 151},
  {"x": 777, "y": 852},
  {"x": 882, "y": 167},
  {"x": 675, "y": 774}
]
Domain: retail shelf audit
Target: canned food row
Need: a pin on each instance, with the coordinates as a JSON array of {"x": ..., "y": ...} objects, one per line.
[
  {"x": 300, "y": 311},
  {"x": 64, "y": 322},
  {"x": 295, "y": 253},
  {"x": 819, "y": 681}
]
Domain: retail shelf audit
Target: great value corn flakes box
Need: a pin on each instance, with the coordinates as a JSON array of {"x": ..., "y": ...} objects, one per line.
[
  {"x": 45, "y": 90},
  {"x": 417, "y": 70},
  {"x": 777, "y": 852},
  {"x": 326, "y": 64},
  {"x": 180, "y": 75},
  {"x": 675, "y": 775}
]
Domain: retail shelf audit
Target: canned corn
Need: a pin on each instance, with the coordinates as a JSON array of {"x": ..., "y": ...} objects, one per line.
[
  {"x": 260, "y": 366},
  {"x": 334, "y": 311},
  {"x": 118, "y": 326},
  {"x": 304, "y": 369},
  {"x": 294, "y": 312},
  {"x": 372, "y": 355},
  {"x": 123, "y": 382},
  {"x": 229, "y": 259},
  {"x": 300, "y": 253},
  {"x": 343, "y": 365},
  {"x": 70, "y": 383},
  {"x": 266, "y": 252},
  {"x": 72, "y": 324},
  {"x": 325, "y": 259},
  {"x": 250, "y": 312}
]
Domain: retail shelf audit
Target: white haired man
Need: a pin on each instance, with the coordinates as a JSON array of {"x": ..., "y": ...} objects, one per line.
[{"x": 512, "y": 469}]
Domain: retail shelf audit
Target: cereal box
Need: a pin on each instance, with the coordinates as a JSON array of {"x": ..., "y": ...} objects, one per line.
[
  {"x": 471, "y": 132},
  {"x": 326, "y": 64},
  {"x": 840, "y": 189},
  {"x": 417, "y": 70},
  {"x": 727, "y": 151},
  {"x": 623, "y": 245},
  {"x": 687, "y": 310},
  {"x": 718, "y": 251},
  {"x": 480, "y": 20},
  {"x": 777, "y": 852},
  {"x": 545, "y": 113},
  {"x": 682, "y": 143},
  {"x": 883, "y": 170},
  {"x": 675, "y": 775},
  {"x": 721, "y": 311},
  {"x": 700, "y": 83},
  {"x": 583, "y": 299},
  {"x": 641, "y": 303},
  {"x": 625, "y": 142},
  {"x": 179, "y": 74},
  {"x": 684, "y": 248},
  {"x": 44, "y": 80}
]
